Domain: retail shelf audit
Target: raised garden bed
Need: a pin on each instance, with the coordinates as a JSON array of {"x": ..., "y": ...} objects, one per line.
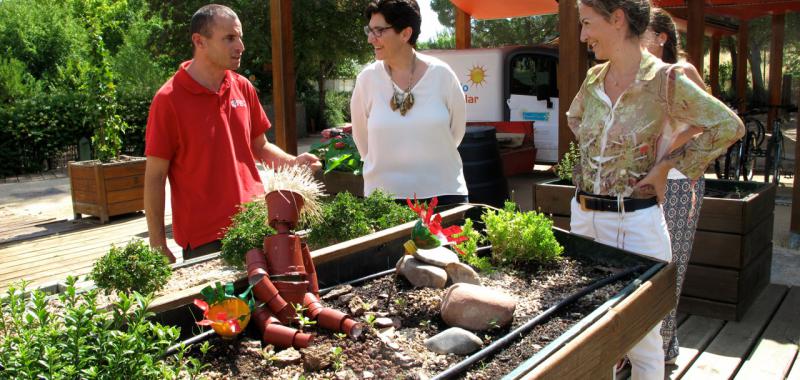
[
  {"x": 337, "y": 182},
  {"x": 732, "y": 253},
  {"x": 600, "y": 326},
  {"x": 107, "y": 189}
]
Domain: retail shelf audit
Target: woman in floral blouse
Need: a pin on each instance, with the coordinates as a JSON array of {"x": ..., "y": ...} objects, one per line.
[{"x": 620, "y": 116}]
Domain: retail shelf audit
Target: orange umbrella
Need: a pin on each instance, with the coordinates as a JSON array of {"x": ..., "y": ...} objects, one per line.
[{"x": 482, "y": 9}]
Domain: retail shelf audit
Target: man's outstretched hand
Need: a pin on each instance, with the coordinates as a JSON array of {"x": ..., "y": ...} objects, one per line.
[{"x": 309, "y": 160}]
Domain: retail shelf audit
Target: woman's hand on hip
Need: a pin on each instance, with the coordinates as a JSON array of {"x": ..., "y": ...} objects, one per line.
[{"x": 655, "y": 182}]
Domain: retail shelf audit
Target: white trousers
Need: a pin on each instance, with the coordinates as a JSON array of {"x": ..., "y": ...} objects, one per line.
[{"x": 644, "y": 232}]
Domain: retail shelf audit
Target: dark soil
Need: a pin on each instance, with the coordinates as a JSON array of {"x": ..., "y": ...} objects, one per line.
[{"x": 399, "y": 353}]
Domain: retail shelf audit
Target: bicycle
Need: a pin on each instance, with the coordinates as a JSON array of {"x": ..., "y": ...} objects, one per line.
[
  {"x": 739, "y": 160},
  {"x": 773, "y": 165}
]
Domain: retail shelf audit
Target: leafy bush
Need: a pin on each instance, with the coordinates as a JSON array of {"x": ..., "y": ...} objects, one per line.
[
  {"x": 337, "y": 108},
  {"x": 469, "y": 248},
  {"x": 78, "y": 340},
  {"x": 521, "y": 237},
  {"x": 566, "y": 166},
  {"x": 134, "y": 268},
  {"x": 346, "y": 217},
  {"x": 247, "y": 231},
  {"x": 15, "y": 81}
]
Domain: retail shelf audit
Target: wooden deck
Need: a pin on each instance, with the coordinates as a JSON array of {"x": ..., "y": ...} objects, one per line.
[
  {"x": 46, "y": 251},
  {"x": 762, "y": 346}
]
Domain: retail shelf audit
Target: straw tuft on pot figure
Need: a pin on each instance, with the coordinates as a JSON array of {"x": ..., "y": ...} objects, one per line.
[{"x": 282, "y": 272}]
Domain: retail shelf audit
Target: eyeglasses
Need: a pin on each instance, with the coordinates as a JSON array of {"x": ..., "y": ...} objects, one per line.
[{"x": 376, "y": 31}]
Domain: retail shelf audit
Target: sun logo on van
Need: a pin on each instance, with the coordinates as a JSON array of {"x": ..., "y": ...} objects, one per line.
[{"x": 477, "y": 75}]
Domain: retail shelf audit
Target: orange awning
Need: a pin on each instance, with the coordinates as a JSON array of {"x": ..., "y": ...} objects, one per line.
[
  {"x": 741, "y": 9},
  {"x": 484, "y": 10}
]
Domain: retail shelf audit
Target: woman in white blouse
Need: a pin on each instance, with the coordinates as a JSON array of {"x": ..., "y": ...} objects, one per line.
[{"x": 408, "y": 112}]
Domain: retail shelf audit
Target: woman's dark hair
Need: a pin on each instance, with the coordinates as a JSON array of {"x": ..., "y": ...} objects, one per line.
[
  {"x": 400, "y": 14},
  {"x": 636, "y": 11},
  {"x": 661, "y": 22}
]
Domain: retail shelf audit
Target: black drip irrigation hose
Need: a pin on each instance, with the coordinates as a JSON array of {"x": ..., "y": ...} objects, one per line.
[
  {"x": 209, "y": 333},
  {"x": 520, "y": 331}
]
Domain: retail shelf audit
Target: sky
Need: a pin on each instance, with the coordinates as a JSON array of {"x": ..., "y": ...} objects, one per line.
[{"x": 430, "y": 21}]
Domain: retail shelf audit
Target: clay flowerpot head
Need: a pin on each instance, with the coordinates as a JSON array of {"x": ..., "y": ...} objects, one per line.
[
  {"x": 283, "y": 207},
  {"x": 228, "y": 318}
]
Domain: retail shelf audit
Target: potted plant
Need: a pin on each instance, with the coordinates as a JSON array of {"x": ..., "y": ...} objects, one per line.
[
  {"x": 111, "y": 184},
  {"x": 340, "y": 160}
]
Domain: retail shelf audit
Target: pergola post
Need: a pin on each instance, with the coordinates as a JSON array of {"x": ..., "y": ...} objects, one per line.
[
  {"x": 283, "y": 80},
  {"x": 695, "y": 30},
  {"x": 572, "y": 65},
  {"x": 741, "y": 65},
  {"x": 794, "y": 224},
  {"x": 713, "y": 65},
  {"x": 463, "y": 29},
  {"x": 775, "y": 66}
]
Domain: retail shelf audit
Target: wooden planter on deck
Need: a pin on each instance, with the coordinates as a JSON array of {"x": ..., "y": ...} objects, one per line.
[
  {"x": 732, "y": 253},
  {"x": 107, "y": 189}
]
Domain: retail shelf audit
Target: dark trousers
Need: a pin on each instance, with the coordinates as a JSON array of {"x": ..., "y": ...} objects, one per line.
[{"x": 205, "y": 249}]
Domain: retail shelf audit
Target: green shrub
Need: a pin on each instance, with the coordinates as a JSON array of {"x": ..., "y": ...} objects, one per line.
[
  {"x": 469, "y": 248},
  {"x": 134, "y": 268},
  {"x": 78, "y": 340},
  {"x": 15, "y": 81},
  {"x": 346, "y": 217},
  {"x": 247, "y": 231},
  {"x": 521, "y": 237},
  {"x": 337, "y": 108},
  {"x": 565, "y": 167}
]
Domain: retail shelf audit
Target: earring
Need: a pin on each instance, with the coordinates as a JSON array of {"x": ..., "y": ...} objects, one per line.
[{"x": 661, "y": 44}]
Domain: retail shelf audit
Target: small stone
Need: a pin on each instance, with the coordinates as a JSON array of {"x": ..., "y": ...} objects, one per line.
[
  {"x": 460, "y": 272},
  {"x": 383, "y": 322},
  {"x": 439, "y": 256},
  {"x": 356, "y": 306},
  {"x": 383, "y": 296},
  {"x": 251, "y": 344},
  {"x": 387, "y": 332},
  {"x": 345, "y": 374},
  {"x": 337, "y": 292},
  {"x": 347, "y": 297},
  {"x": 287, "y": 356},
  {"x": 367, "y": 375},
  {"x": 421, "y": 275},
  {"x": 454, "y": 341},
  {"x": 316, "y": 358},
  {"x": 476, "y": 308}
]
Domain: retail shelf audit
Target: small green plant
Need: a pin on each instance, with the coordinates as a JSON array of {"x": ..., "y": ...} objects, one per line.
[
  {"x": 247, "y": 231},
  {"x": 346, "y": 217},
  {"x": 337, "y": 358},
  {"x": 521, "y": 237},
  {"x": 565, "y": 167},
  {"x": 470, "y": 248},
  {"x": 301, "y": 318},
  {"x": 76, "y": 339},
  {"x": 338, "y": 152},
  {"x": 340, "y": 335},
  {"x": 194, "y": 366},
  {"x": 370, "y": 319},
  {"x": 400, "y": 302},
  {"x": 135, "y": 267}
]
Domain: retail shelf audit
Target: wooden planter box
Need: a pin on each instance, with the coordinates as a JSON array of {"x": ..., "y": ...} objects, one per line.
[
  {"x": 339, "y": 182},
  {"x": 732, "y": 253},
  {"x": 105, "y": 190},
  {"x": 587, "y": 350}
]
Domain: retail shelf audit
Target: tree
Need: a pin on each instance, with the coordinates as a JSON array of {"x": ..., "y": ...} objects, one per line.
[{"x": 492, "y": 33}]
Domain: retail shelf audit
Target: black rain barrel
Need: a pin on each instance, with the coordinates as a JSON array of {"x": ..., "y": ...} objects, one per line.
[{"x": 483, "y": 169}]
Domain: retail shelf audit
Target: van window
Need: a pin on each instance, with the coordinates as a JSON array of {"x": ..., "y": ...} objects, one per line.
[{"x": 534, "y": 75}]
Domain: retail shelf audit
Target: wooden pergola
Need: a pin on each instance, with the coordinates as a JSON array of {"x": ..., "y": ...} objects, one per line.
[{"x": 697, "y": 17}]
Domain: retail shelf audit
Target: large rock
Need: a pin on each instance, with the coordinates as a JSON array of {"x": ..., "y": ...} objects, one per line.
[
  {"x": 476, "y": 308},
  {"x": 421, "y": 275},
  {"x": 460, "y": 272},
  {"x": 454, "y": 340},
  {"x": 439, "y": 256}
]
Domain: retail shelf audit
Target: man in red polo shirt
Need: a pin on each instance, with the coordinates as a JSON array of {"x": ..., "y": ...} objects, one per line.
[{"x": 205, "y": 132}]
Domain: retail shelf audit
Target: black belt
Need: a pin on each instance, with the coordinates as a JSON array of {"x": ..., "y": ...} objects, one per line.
[{"x": 591, "y": 202}]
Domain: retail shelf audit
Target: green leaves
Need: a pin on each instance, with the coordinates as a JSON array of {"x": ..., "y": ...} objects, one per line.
[
  {"x": 247, "y": 231},
  {"x": 339, "y": 154},
  {"x": 135, "y": 267},
  {"x": 521, "y": 237},
  {"x": 346, "y": 217},
  {"x": 566, "y": 166},
  {"x": 79, "y": 340}
]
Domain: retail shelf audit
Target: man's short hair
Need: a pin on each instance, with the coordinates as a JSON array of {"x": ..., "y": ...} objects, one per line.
[{"x": 203, "y": 19}]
